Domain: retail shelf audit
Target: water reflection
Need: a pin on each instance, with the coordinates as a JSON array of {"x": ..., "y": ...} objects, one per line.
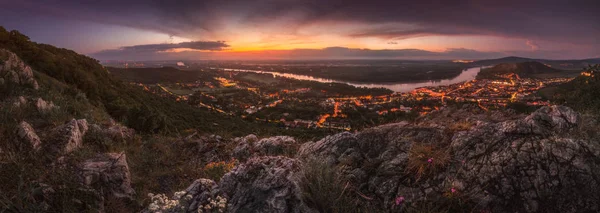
[{"x": 466, "y": 75}]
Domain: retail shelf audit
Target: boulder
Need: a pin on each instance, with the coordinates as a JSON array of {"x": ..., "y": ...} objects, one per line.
[
  {"x": 264, "y": 184},
  {"x": 109, "y": 175},
  {"x": 20, "y": 101},
  {"x": 43, "y": 106},
  {"x": 68, "y": 137},
  {"x": 14, "y": 70},
  {"x": 27, "y": 134}
]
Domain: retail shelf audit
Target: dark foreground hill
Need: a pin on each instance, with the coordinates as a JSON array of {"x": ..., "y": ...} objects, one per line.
[{"x": 524, "y": 70}]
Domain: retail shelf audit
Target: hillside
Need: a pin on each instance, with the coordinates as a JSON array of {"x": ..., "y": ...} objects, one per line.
[
  {"x": 582, "y": 93},
  {"x": 524, "y": 70},
  {"x": 123, "y": 102},
  {"x": 158, "y": 75},
  {"x": 558, "y": 64}
]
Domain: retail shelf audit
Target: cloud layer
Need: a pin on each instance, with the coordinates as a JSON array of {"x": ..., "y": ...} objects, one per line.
[
  {"x": 576, "y": 20},
  {"x": 572, "y": 25}
]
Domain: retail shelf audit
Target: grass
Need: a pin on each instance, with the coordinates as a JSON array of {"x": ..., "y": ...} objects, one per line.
[
  {"x": 326, "y": 190},
  {"x": 426, "y": 160},
  {"x": 216, "y": 170},
  {"x": 460, "y": 126}
]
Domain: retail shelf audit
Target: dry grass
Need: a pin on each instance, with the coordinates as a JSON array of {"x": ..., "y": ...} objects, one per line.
[
  {"x": 216, "y": 170},
  {"x": 326, "y": 190},
  {"x": 460, "y": 126},
  {"x": 425, "y": 160}
]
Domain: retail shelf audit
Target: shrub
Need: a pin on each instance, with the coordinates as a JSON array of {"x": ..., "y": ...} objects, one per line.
[
  {"x": 325, "y": 189},
  {"x": 425, "y": 160},
  {"x": 216, "y": 170},
  {"x": 460, "y": 126}
]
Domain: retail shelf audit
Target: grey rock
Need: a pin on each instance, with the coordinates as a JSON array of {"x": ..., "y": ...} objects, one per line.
[
  {"x": 250, "y": 146},
  {"x": 68, "y": 137},
  {"x": 14, "y": 70},
  {"x": 21, "y": 101},
  {"x": 109, "y": 174},
  {"x": 264, "y": 184},
  {"x": 44, "y": 106},
  {"x": 27, "y": 133}
]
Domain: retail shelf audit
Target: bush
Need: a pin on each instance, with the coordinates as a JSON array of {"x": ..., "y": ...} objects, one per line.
[
  {"x": 216, "y": 170},
  {"x": 425, "y": 160},
  {"x": 325, "y": 189}
]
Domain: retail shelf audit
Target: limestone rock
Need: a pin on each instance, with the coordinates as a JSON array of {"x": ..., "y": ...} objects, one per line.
[
  {"x": 264, "y": 184},
  {"x": 27, "y": 133},
  {"x": 250, "y": 146},
  {"x": 14, "y": 70},
  {"x": 44, "y": 106},
  {"x": 68, "y": 137},
  {"x": 108, "y": 173},
  {"x": 21, "y": 101}
]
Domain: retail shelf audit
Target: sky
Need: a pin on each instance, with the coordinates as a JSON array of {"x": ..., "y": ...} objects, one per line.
[{"x": 311, "y": 29}]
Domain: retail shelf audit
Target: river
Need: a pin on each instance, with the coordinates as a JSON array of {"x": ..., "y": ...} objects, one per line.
[{"x": 466, "y": 75}]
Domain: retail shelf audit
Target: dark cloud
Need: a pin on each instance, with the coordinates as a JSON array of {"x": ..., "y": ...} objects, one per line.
[
  {"x": 304, "y": 54},
  {"x": 149, "y": 50},
  {"x": 573, "y": 21},
  {"x": 194, "y": 45}
]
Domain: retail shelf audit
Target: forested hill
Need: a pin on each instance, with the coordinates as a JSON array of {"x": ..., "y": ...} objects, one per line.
[
  {"x": 530, "y": 69},
  {"x": 125, "y": 103}
]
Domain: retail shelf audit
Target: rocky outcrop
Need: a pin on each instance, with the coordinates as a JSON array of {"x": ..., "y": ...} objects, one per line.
[
  {"x": 43, "y": 106},
  {"x": 114, "y": 131},
  {"x": 530, "y": 164},
  {"x": 13, "y": 70},
  {"x": 27, "y": 134},
  {"x": 250, "y": 146},
  {"x": 67, "y": 137},
  {"x": 20, "y": 101},
  {"x": 109, "y": 175},
  {"x": 264, "y": 184}
]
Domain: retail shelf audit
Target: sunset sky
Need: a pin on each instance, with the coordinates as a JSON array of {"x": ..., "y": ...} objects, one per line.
[{"x": 311, "y": 29}]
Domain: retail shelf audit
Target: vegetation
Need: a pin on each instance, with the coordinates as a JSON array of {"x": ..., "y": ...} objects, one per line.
[
  {"x": 523, "y": 70},
  {"x": 326, "y": 190},
  {"x": 216, "y": 170},
  {"x": 582, "y": 93},
  {"x": 124, "y": 102},
  {"x": 160, "y": 75},
  {"x": 425, "y": 160}
]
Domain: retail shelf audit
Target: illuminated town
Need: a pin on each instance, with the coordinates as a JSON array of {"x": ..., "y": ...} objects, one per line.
[{"x": 232, "y": 95}]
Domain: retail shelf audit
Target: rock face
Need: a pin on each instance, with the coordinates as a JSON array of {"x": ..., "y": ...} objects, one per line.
[
  {"x": 109, "y": 174},
  {"x": 27, "y": 133},
  {"x": 264, "y": 184},
  {"x": 14, "y": 70},
  {"x": 530, "y": 164},
  {"x": 250, "y": 146},
  {"x": 68, "y": 137}
]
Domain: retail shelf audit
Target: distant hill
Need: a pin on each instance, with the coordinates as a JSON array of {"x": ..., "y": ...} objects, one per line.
[
  {"x": 529, "y": 69},
  {"x": 559, "y": 64},
  {"x": 158, "y": 75}
]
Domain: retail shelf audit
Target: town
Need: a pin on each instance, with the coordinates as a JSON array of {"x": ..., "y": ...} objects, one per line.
[{"x": 294, "y": 103}]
